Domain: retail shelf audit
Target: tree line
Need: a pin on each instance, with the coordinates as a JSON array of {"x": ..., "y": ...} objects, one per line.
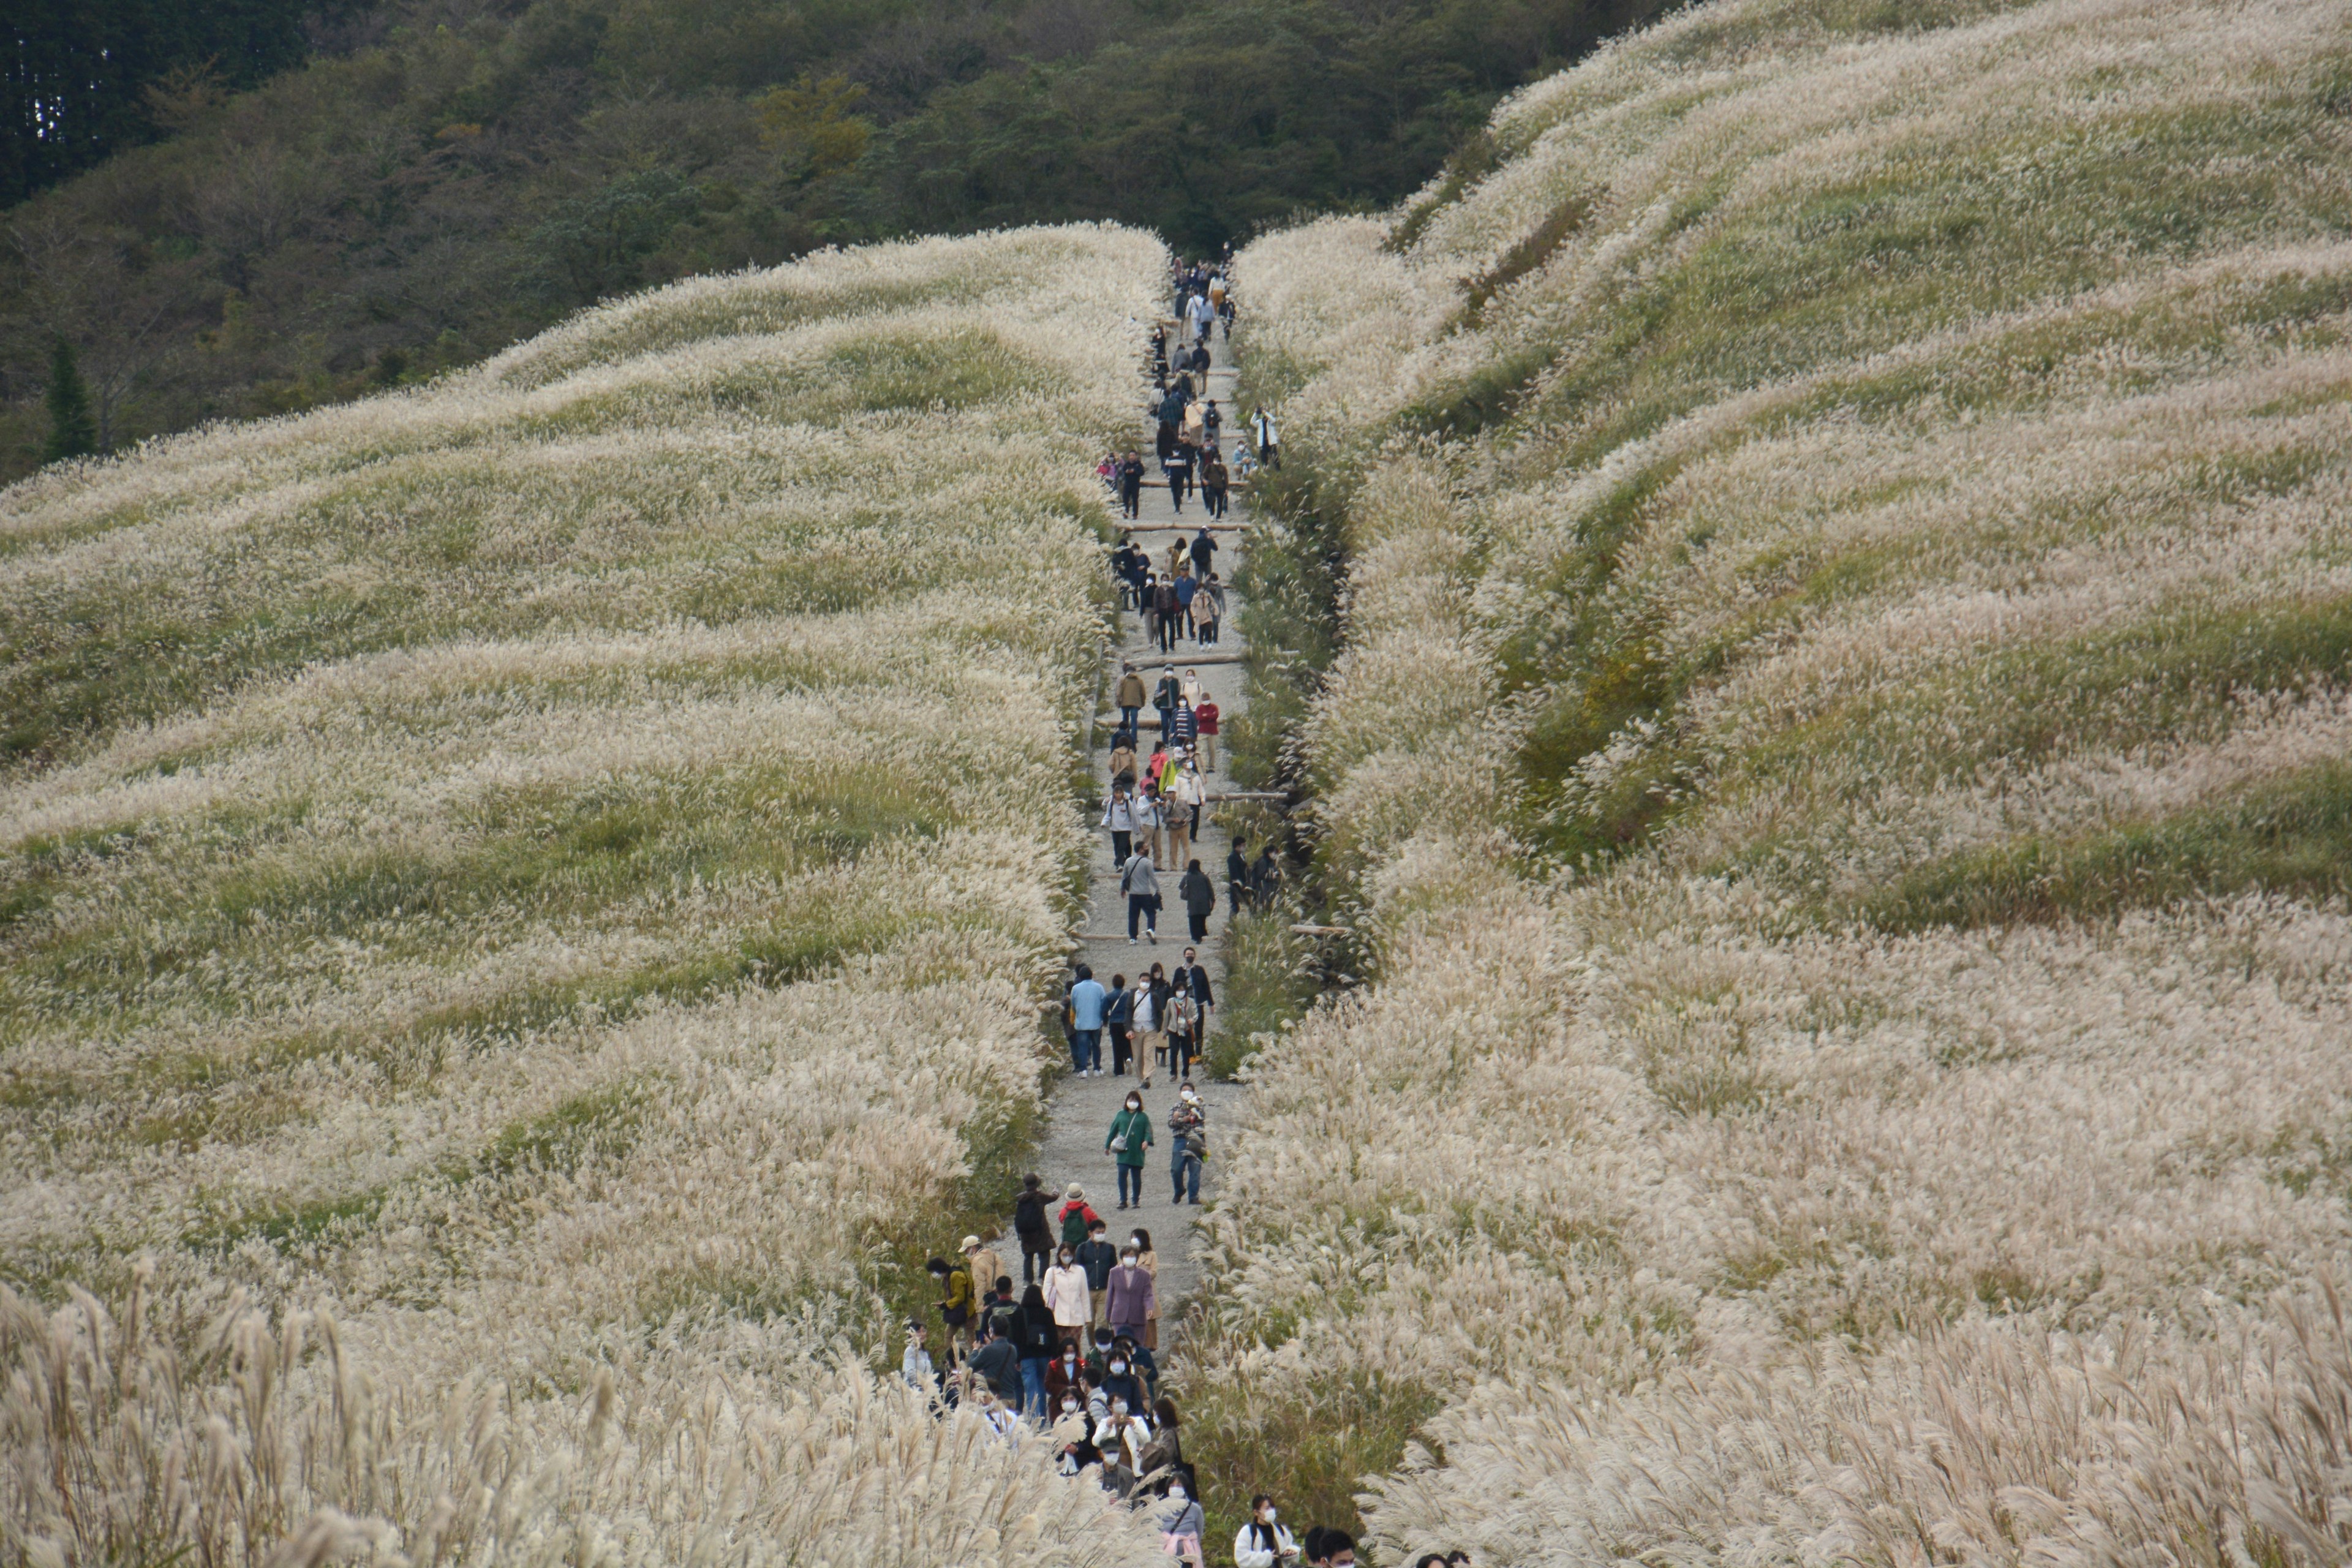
[{"x": 331, "y": 201}]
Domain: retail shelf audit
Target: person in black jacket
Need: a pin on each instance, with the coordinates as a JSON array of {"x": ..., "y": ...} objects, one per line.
[
  {"x": 1130, "y": 500},
  {"x": 1204, "y": 997},
  {"x": 1238, "y": 879},
  {"x": 1200, "y": 896},
  {"x": 1038, "y": 1340},
  {"x": 998, "y": 1363},
  {"x": 1035, "y": 1231},
  {"x": 1098, "y": 1257}
]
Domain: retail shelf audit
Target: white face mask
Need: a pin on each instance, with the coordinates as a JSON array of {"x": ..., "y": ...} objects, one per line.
[
  {"x": 1068, "y": 1405},
  {"x": 1118, "y": 1407},
  {"x": 1270, "y": 1516},
  {"x": 1116, "y": 1368},
  {"x": 1135, "y": 1105},
  {"x": 1175, "y": 1494}
]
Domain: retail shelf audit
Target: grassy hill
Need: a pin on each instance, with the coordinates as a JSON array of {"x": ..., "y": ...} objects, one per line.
[
  {"x": 1836, "y": 761},
  {"x": 523, "y": 911},
  {"x": 442, "y": 178}
]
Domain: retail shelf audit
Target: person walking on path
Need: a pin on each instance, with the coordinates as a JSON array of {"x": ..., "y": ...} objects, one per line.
[
  {"x": 1119, "y": 1022},
  {"x": 1263, "y": 1543},
  {"x": 1098, "y": 1257},
  {"x": 1123, "y": 763},
  {"x": 1182, "y": 1017},
  {"x": 1269, "y": 439},
  {"x": 1214, "y": 591},
  {"x": 1164, "y": 611},
  {"x": 1039, "y": 1337},
  {"x": 1129, "y": 1140},
  {"x": 1149, "y": 1261},
  {"x": 1030, "y": 1227},
  {"x": 1086, "y": 1004},
  {"x": 1205, "y": 722},
  {"x": 1148, "y": 1038},
  {"x": 1076, "y": 1214},
  {"x": 1130, "y": 485},
  {"x": 1068, "y": 1299},
  {"x": 1129, "y": 1300},
  {"x": 1184, "y": 734},
  {"x": 1149, "y": 817},
  {"x": 1164, "y": 697},
  {"x": 1119, "y": 816},
  {"x": 1142, "y": 890},
  {"x": 1130, "y": 697},
  {"x": 1188, "y": 1134},
  {"x": 1203, "y": 551},
  {"x": 1189, "y": 976},
  {"x": 1200, "y": 896},
  {"x": 1214, "y": 480}
]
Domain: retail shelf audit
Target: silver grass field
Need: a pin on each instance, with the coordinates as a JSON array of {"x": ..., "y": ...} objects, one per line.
[
  {"x": 517, "y": 892},
  {"x": 1837, "y": 764}
]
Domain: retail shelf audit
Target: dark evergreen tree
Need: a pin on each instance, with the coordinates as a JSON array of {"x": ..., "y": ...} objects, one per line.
[{"x": 72, "y": 432}]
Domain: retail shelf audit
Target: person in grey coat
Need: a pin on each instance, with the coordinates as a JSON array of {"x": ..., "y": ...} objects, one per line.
[{"x": 1141, "y": 886}]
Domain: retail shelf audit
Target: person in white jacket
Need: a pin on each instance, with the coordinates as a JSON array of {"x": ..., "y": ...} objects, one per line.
[
  {"x": 1262, "y": 1542},
  {"x": 1119, "y": 818},
  {"x": 1068, "y": 1297}
]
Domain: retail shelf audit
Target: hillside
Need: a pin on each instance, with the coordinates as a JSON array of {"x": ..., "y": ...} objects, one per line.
[
  {"x": 525, "y": 916},
  {"x": 1835, "y": 768},
  {"x": 445, "y": 177}
]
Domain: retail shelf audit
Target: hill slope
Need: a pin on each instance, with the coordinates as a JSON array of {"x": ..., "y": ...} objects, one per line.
[
  {"x": 554, "y": 874},
  {"x": 1837, "y": 769},
  {"x": 445, "y": 177}
]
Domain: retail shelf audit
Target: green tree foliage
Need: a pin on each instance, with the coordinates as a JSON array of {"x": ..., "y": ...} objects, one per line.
[
  {"x": 88, "y": 77},
  {"x": 443, "y": 176},
  {"x": 72, "y": 432}
]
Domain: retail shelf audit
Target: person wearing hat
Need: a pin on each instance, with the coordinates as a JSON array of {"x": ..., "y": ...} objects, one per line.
[
  {"x": 985, "y": 1268},
  {"x": 1076, "y": 1215}
]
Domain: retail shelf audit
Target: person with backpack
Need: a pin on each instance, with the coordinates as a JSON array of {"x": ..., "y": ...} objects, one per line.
[
  {"x": 1076, "y": 1215},
  {"x": 1029, "y": 1225},
  {"x": 1130, "y": 1142},
  {"x": 955, "y": 1302},
  {"x": 1165, "y": 613},
  {"x": 1142, "y": 889},
  {"x": 1212, "y": 427}
]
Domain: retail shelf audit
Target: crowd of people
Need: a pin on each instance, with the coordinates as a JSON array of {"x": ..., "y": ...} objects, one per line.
[{"x": 1072, "y": 1351}]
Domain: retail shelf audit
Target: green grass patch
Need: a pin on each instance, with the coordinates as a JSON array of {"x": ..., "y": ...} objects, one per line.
[{"x": 2292, "y": 834}]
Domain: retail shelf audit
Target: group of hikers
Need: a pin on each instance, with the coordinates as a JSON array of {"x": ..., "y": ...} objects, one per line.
[
  {"x": 1072, "y": 1351},
  {"x": 1072, "y": 1354},
  {"x": 1185, "y": 596}
]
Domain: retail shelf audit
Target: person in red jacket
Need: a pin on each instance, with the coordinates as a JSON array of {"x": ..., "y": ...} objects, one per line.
[
  {"x": 1204, "y": 723},
  {"x": 1078, "y": 1219}
]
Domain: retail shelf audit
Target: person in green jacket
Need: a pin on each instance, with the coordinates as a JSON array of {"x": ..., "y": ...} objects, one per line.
[{"x": 1130, "y": 1137}]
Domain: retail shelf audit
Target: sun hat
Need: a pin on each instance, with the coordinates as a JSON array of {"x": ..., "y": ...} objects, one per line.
[
  {"x": 971, "y": 1244},
  {"x": 1075, "y": 1191}
]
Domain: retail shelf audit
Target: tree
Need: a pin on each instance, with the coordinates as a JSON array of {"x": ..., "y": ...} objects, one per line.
[
  {"x": 811, "y": 126},
  {"x": 72, "y": 432}
]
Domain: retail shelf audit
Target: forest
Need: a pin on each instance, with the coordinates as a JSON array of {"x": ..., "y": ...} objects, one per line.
[{"x": 263, "y": 208}]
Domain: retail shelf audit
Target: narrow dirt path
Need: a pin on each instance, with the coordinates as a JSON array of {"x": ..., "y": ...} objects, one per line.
[{"x": 1082, "y": 1108}]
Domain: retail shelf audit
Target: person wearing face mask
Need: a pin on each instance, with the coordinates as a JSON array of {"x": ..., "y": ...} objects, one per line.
[
  {"x": 1129, "y": 1140},
  {"x": 1120, "y": 1381},
  {"x": 1263, "y": 1543},
  {"x": 1149, "y": 1261},
  {"x": 1072, "y": 1437},
  {"x": 1128, "y": 1295},
  {"x": 1066, "y": 1376},
  {"x": 1121, "y": 1439},
  {"x": 1067, "y": 1297},
  {"x": 1330, "y": 1549},
  {"x": 1181, "y": 1524},
  {"x": 1164, "y": 1460}
]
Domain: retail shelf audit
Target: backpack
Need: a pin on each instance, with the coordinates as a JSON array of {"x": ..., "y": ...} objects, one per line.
[
  {"x": 1029, "y": 1214},
  {"x": 1076, "y": 1223}
]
